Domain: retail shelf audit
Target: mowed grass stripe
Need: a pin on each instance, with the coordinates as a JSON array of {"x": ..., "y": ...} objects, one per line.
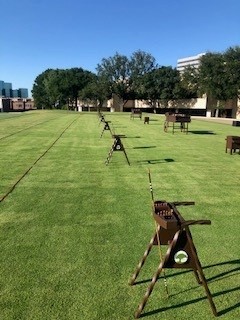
[
  {"x": 34, "y": 163},
  {"x": 19, "y": 153},
  {"x": 74, "y": 230},
  {"x": 26, "y": 121}
]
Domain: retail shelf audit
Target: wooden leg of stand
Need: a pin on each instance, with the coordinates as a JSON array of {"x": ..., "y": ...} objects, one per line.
[
  {"x": 200, "y": 271},
  {"x": 109, "y": 156},
  {"x": 141, "y": 263},
  {"x": 197, "y": 276},
  {"x": 149, "y": 291},
  {"x": 126, "y": 157},
  {"x": 204, "y": 282},
  {"x": 102, "y": 133}
]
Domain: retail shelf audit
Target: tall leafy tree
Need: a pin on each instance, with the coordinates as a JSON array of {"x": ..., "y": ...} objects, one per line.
[
  {"x": 116, "y": 70},
  {"x": 39, "y": 93},
  {"x": 96, "y": 92},
  {"x": 232, "y": 65},
  {"x": 125, "y": 73},
  {"x": 54, "y": 88},
  {"x": 159, "y": 84},
  {"x": 141, "y": 63},
  {"x": 75, "y": 80},
  {"x": 214, "y": 78},
  {"x": 189, "y": 83}
]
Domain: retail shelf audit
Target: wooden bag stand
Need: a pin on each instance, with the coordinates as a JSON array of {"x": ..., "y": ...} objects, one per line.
[
  {"x": 101, "y": 117},
  {"x": 117, "y": 146},
  {"x": 173, "y": 230},
  {"x": 106, "y": 128},
  {"x": 136, "y": 113},
  {"x": 179, "y": 121},
  {"x": 232, "y": 143}
]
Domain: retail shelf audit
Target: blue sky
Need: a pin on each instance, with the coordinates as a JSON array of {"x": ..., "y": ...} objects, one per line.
[{"x": 41, "y": 34}]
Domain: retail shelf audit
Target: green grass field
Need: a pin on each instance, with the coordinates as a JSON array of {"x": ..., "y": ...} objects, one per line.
[{"x": 72, "y": 230}]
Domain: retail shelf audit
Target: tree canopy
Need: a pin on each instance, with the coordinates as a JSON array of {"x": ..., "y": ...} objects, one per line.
[
  {"x": 55, "y": 88},
  {"x": 219, "y": 74},
  {"x": 96, "y": 92},
  {"x": 213, "y": 77},
  {"x": 159, "y": 84},
  {"x": 140, "y": 77},
  {"x": 124, "y": 74}
]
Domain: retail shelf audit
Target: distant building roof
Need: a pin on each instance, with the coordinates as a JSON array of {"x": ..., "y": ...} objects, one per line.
[{"x": 193, "y": 61}]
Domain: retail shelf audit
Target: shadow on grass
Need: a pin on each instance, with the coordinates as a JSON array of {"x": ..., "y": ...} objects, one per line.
[
  {"x": 119, "y": 126},
  {"x": 214, "y": 278},
  {"x": 133, "y": 137},
  {"x": 155, "y": 161},
  {"x": 202, "y": 132},
  {"x": 160, "y": 277},
  {"x": 145, "y": 147},
  {"x": 219, "y": 276},
  {"x": 153, "y": 120},
  {"x": 225, "y": 273},
  {"x": 235, "y": 153},
  {"x": 179, "y": 305}
]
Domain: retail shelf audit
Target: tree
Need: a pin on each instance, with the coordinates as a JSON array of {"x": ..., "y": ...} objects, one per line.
[
  {"x": 232, "y": 65},
  {"x": 141, "y": 63},
  {"x": 189, "y": 83},
  {"x": 125, "y": 73},
  {"x": 219, "y": 76},
  {"x": 116, "y": 70},
  {"x": 75, "y": 80},
  {"x": 56, "y": 87},
  {"x": 159, "y": 84},
  {"x": 96, "y": 92},
  {"x": 39, "y": 93},
  {"x": 213, "y": 78}
]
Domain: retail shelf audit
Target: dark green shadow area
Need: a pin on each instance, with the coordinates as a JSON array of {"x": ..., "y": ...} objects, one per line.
[
  {"x": 154, "y": 161},
  {"x": 145, "y": 147},
  {"x": 201, "y": 132},
  {"x": 193, "y": 301}
]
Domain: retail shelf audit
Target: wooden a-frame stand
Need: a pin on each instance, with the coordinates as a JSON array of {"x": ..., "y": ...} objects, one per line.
[
  {"x": 106, "y": 128},
  {"x": 101, "y": 117},
  {"x": 117, "y": 146},
  {"x": 173, "y": 230}
]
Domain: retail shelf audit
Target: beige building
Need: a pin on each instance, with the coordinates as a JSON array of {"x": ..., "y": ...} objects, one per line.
[
  {"x": 193, "y": 61},
  {"x": 198, "y": 106}
]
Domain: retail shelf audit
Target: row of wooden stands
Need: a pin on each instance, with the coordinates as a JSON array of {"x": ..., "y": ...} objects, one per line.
[
  {"x": 176, "y": 121},
  {"x": 106, "y": 124},
  {"x": 117, "y": 142},
  {"x": 173, "y": 231}
]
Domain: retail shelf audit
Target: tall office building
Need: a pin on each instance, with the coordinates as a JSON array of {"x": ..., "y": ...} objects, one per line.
[
  {"x": 1, "y": 87},
  {"x": 7, "y": 91},
  {"x": 15, "y": 93},
  {"x": 193, "y": 61},
  {"x": 22, "y": 93}
]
